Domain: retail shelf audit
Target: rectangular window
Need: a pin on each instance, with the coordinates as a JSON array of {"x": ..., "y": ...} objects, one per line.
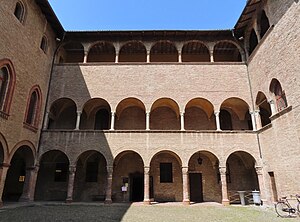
[
  {"x": 91, "y": 172},
  {"x": 61, "y": 172},
  {"x": 166, "y": 173}
]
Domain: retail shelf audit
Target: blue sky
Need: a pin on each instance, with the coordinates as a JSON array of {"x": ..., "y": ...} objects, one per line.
[{"x": 148, "y": 14}]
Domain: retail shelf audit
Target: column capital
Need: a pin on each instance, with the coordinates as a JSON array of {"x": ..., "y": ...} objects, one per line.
[
  {"x": 146, "y": 170},
  {"x": 182, "y": 113},
  {"x": 109, "y": 169},
  {"x": 113, "y": 113},
  {"x": 271, "y": 101},
  {"x": 185, "y": 169},
  {"x": 222, "y": 170},
  {"x": 259, "y": 170},
  {"x": 79, "y": 113},
  {"x": 72, "y": 169},
  {"x": 217, "y": 112},
  {"x": 4, "y": 165}
]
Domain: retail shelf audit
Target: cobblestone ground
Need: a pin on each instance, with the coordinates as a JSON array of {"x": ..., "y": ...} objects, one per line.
[{"x": 138, "y": 212}]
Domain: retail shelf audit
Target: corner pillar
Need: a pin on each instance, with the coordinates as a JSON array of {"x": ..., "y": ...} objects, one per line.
[
  {"x": 253, "y": 120},
  {"x": 273, "y": 107},
  {"x": 46, "y": 121},
  {"x": 30, "y": 183},
  {"x": 258, "y": 119},
  {"x": 4, "y": 169}
]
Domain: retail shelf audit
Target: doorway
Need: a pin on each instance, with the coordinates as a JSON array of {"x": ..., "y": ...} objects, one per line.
[
  {"x": 196, "y": 188},
  {"x": 136, "y": 187}
]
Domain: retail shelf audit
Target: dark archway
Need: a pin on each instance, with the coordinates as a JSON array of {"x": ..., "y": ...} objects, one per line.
[
  {"x": 22, "y": 159},
  {"x": 164, "y": 115},
  {"x": 164, "y": 51},
  {"x": 102, "y": 52},
  {"x": 199, "y": 115},
  {"x": 129, "y": 174},
  {"x": 241, "y": 173},
  {"x": 133, "y": 52},
  {"x": 203, "y": 177},
  {"x": 278, "y": 94},
  {"x": 226, "y": 52},
  {"x": 264, "y": 24},
  {"x": 195, "y": 51},
  {"x": 52, "y": 180},
  {"x": 63, "y": 114},
  {"x": 91, "y": 177},
  {"x": 165, "y": 169},
  {"x": 131, "y": 115},
  {"x": 96, "y": 115},
  {"x": 253, "y": 41},
  {"x": 225, "y": 120},
  {"x": 264, "y": 108}
]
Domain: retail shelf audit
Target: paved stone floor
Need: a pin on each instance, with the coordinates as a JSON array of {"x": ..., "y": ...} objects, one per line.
[{"x": 208, "y": 212}]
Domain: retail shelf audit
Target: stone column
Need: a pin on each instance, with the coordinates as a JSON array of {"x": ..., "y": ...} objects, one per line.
[
  {"x": 117, "y": 57},
  {"x": 72, "y": 170},
  {"x": 225, "y": 200},
  {"x": 217, "y": 114},
  {"x": 182, "y": 121},
  {"x": 261, "y": 182},
  {"x": 4, "y": 169},
  {"x": 86, "y": 53},
  {"x": 112, "y": 122},
  {"x": 253, "y": 120},
  {"x": 258, "y": 120},
  {"x": 46, "y": 121},
  {"x": 147, "y": 185},
  {"x": 147, "y": 120},
  {"x": 78, "y": 120},
  {"x": 108, "y": 199},
  {"x": 148, "y": 56},
  {"x": 185, "y": 185},
  {"x": 29, "y": 184},
  {"x": 273, "y": 107},
  {"x": 211, "y": 54},
  {"x": 180, "y": 56}
]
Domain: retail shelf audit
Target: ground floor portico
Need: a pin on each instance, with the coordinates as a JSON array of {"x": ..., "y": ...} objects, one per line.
[{"x": 86, "y": 173}]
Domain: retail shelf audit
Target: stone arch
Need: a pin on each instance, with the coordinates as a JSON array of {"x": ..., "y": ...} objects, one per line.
[
  {"x": 3, "y": 149},
  {"x": 195, "y": 51},
  {"x": 21, "y": 158},
  {"x": 91, "y": 176},
  {"x": 63, "y": 114},
  {"x": 164, "y": 51},
  {"x": 70, "y": 52},
  {"x": 133, "y": 51},
  {"x": 131, "y": 114},
  {"x": 234, "y": 115},
  {"x": 227, "y": 51},
  {"x": 278, "y": 94},
  {"x": 204, "y": 177},
  {"x": 96, "y": 115},
  {"x": 241, "y": 173},
  {"x": 53, "y": 175},
  {"x": 24, "y": 143},
  {"x": 101, "y": 52},
  {"x": 199, "y": 115},
  {"x": 264, "y": 108},
  {"x": 166, "y": 174},
  {"x": 128, "y": 172},
  {"x": 165, "y": 115}
]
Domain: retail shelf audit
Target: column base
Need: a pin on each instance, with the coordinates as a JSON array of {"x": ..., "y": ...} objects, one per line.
[
  {"x": 186, "y": 202},
  {"x": 147, "y": 202},
  {"x": 108, "y": 202},
  {"x": 24, "y": 199},
  {"x": 69, "y": 201},
  {"x": 225, "y": 202}
]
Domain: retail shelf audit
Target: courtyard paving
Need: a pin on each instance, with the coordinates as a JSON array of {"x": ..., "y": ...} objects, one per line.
[{"x": 207, "y": 212}]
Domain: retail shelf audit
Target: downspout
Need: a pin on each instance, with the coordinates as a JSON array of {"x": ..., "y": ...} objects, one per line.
[
  {"x": 252, "y": 99},
  {"x": 48, "y": 90}
]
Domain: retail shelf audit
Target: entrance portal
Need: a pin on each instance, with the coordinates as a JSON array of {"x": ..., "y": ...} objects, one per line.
[
  {"x": 196, "y": 190},
  {"x": 137, "y": 187}
]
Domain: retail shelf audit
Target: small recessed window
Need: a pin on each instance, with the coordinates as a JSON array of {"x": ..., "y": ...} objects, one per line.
[
  {"x": 20, "y": 11},
  {"x": 44, "y": 44},
  {"x": 33, "y": 107},
  {"x": 166, "y": 173}
]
